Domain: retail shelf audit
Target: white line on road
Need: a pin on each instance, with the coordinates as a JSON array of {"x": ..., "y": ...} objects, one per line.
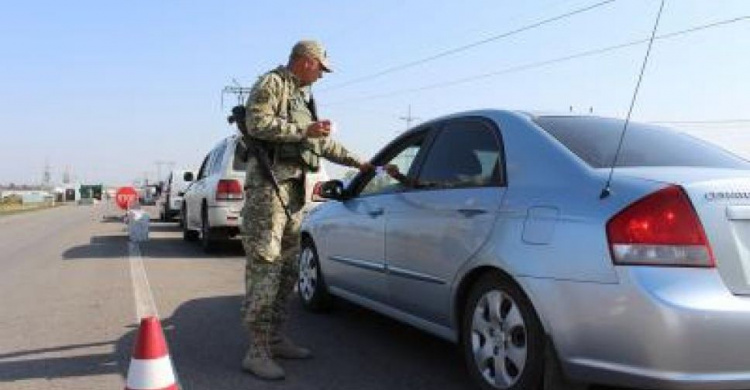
[{"x": 144, "y": 299}]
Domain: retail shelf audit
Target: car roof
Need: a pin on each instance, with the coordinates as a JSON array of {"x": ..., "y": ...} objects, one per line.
[{"x": 500, "y": 113}]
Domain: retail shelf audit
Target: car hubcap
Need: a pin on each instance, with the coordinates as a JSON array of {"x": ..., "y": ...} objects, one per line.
[
  {"x": 498, "y": 339},
  {"x": 308, "y": 274}
]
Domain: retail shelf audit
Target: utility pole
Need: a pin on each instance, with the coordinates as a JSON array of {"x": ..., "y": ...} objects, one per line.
[
  {"x": 66, "y": 175},
  {"x": 408, "y": 118},
  {"x": 237, "y": 89},
  {"x": 47, "y": 175},
  {"x": 159, "y": 164}
]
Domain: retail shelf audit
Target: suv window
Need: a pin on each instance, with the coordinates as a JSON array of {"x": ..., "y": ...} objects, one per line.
[
  {"x": 239, "y": 163},
  {"x": 465, "y": 154},
  {"x": 595, "y": 141},
  {"x": 403, "y": 156},
  {"x": 217, "y": 159},
  {"x": 202, "y": 171}
]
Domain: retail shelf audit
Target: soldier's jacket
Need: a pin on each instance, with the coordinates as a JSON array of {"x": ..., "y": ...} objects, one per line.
[{"x": 277, "y": 112}]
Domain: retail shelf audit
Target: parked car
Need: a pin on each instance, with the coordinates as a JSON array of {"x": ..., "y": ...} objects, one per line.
[
  {"x": 170, "y": 202},
  {"x": 148, "y": 194},
  {"x": 504, "y": 237},
  {"x": 212, "y": 203}
]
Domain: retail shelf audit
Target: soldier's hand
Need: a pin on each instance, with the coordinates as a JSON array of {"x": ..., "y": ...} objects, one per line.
[
  {"x": 319, "y": 129},
  {"x": 392, "y": 170},
  {"x": 365, "y": 167}
]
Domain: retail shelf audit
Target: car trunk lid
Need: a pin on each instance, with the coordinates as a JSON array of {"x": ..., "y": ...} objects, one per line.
[{"x": 721, "y": 198}]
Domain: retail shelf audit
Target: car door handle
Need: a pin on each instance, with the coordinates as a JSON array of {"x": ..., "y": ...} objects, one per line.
[
  {"x": 468, "y": 213},
  {"x": 376, "y": 212}
]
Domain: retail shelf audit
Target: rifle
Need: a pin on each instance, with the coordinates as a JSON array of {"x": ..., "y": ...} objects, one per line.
[{"x": 257, "y": 151}]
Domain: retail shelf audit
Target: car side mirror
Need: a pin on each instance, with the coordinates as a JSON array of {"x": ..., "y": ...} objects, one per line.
[
  {"x": 188, "y": 176},
  {"x": 332, "y": 189}
]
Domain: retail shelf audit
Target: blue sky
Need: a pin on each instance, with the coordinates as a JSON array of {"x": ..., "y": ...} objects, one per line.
[{"x": 109, "y": 88}]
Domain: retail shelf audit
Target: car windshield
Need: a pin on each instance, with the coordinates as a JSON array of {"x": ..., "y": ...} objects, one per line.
[{"x": 595, "y": 140}]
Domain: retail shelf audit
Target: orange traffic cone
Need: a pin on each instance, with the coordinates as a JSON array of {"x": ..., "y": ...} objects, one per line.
[{"x": 150, "y": 367}]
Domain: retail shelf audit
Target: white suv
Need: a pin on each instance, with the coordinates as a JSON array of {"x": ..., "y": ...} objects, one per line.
[{"x": 212, "y": 203}]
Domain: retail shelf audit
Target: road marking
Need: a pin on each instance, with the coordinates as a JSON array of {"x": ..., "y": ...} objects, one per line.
[{"x": 144, "y": 299}]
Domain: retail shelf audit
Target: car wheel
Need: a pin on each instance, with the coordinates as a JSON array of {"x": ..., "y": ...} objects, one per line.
[
  {"x": 501, "y": 337},
  {"x": 310, "y": 286},
  {"x": 187, "y": 234},
  {"x": 208, "y": 241}
]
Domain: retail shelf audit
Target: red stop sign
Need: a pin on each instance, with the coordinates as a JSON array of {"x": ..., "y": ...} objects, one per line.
[{"x": 125, "y": 197}]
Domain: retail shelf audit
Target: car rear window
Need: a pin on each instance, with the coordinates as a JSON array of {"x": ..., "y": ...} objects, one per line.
[{"x": 595, "y": 140}]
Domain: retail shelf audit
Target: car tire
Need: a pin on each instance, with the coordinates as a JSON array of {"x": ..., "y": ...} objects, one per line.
[
  {"x": 502, "y": 340},
  {"x": 208, "y": 239},
  {"x": 311, "y": 288},
  {"x": 187, "y": 234}
]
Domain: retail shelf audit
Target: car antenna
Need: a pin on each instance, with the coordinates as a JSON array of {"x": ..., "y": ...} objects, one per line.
[{"x": 606, "y": 191}]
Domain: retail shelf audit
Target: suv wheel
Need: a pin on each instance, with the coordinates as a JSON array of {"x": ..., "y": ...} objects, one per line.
[
  {"x": 310, "y": 285},
  {"x": 501, "y": 337},
  {"x": 187, "y": 234}
]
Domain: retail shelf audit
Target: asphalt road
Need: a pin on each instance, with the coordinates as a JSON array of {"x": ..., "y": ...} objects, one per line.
[{"x": 68, "y": 317}]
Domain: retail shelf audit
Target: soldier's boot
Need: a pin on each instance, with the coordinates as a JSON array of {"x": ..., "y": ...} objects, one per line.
[
  {"x": 262, "y": 366},
  {"x": 284, "y": 348}
]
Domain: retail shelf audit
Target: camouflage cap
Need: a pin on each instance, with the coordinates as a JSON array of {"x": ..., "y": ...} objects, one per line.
[{"x": 313, "y": 49}]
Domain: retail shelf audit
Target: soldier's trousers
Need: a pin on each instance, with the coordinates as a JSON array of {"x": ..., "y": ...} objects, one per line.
[{"x": 271, "y": 243}]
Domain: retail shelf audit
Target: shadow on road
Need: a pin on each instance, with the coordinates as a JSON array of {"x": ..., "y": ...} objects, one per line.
[
  {"x": 37, "y": 364},
  {"x": 354, "y": 349},
  {"x": 99, "y": 247},
  {"x": 168, "y": 247}
]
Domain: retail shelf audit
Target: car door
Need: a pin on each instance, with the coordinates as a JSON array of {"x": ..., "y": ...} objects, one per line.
[
  {"x": 432, "y": 231},
  {"x": 194, "y": 197},
  {"x": 355, "y": 237}
]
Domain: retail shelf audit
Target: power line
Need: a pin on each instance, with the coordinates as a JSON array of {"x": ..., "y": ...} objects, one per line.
[
  {"x": 469, "y": 46},
  {"x": 543, "y": 63}
]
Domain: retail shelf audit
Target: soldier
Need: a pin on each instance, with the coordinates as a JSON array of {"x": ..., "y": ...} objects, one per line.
[{"x": 281, "y": 116}]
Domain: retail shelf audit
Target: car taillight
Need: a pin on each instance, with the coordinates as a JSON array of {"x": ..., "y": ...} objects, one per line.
[
  {"x": 660, "y": 229},
  {"x": 229, "y": 190}
]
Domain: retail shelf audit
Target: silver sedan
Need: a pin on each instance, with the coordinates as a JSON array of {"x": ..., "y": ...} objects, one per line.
[{"x": 509, "y": 234}]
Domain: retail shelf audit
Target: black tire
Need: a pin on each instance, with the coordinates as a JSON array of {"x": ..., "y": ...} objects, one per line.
[
  {"x": 167, "y": 215},
  {"x": 513, "y": 343},
  {"x": 208, "y": 235},
  {"x": 187, "y": 234},
  {"x": 311, "y": 287}
]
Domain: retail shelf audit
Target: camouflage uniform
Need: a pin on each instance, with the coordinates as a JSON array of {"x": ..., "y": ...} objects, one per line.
[{"x": 276, "y": 112}]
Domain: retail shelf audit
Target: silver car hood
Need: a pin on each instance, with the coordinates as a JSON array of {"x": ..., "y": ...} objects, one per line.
[{"x": 721, "y": 198}]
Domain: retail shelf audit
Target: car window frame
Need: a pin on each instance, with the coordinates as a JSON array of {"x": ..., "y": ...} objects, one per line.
[
  {"x": 218, "y": 159},
  {"x": 360, "y": 181},
  {"x": 488, "y": 124},
  {"x": 204, "y": 166}
]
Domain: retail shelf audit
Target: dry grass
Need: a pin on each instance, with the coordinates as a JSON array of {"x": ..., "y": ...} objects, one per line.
[{"x": 14, "y": 208}]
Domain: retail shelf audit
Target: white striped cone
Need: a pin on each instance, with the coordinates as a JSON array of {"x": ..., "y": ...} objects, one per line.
[{"x": 150, "y": 367}]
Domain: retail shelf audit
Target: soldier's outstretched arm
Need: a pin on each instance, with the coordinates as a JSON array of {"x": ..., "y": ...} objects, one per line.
[
  {"x": 262, "y": 120},
  {"x": 337, "y": 153}
]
